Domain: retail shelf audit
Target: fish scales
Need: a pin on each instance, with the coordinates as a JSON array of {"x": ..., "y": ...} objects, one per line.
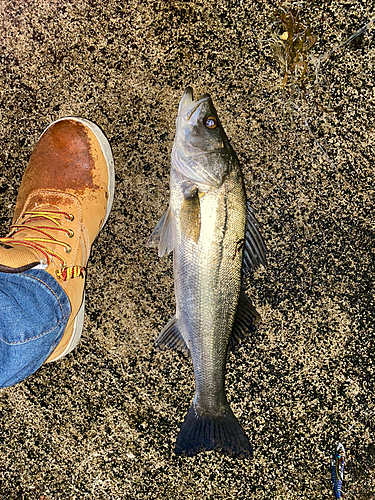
[
  {"x": 208, "y": 227},
  {"x": 208, "y": 280}
]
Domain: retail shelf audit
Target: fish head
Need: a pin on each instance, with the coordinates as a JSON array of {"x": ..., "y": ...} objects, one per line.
[{"x": 201, "y": 150}]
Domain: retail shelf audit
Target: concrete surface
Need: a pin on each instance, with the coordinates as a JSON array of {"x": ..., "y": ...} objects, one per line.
[{"x": 101, "y": 423}]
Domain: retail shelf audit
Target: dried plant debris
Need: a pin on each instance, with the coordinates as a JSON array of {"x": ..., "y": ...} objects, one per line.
[{"x": 291, "y": 41}]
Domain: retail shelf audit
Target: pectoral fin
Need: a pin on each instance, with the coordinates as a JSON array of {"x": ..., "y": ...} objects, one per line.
[
  {"x": 254, "y": 251},
  {"x": 190, "y": 215},
  {"x": 162, "y": 235}
]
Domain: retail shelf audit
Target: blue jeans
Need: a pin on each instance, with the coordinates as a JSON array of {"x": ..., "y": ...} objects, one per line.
[{"x": 34, "y": 311}]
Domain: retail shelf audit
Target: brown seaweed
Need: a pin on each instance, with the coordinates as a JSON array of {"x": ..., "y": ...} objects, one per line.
[{"x": 290, "y": 43}]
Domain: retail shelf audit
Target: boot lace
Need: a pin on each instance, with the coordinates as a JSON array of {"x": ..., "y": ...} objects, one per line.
[{"x": 43, "y": 237}]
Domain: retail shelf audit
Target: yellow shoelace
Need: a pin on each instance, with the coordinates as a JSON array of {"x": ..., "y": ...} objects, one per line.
[{"x": 37, "y": 242}]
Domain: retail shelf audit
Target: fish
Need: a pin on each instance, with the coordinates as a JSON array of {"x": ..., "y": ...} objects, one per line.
[
  {"x": 215, "y": 239},
  {"x": 337, "y": 469}
]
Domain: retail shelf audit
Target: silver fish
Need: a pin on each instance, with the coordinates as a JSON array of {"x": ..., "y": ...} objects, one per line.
[{"x": 215, "y": 239}]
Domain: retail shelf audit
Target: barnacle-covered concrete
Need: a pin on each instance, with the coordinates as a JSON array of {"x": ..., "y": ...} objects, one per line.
[{"x": 101, "y": 423}]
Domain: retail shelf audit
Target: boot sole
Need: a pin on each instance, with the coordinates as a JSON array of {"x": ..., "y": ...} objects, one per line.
[{"x": 107, "y": 152}]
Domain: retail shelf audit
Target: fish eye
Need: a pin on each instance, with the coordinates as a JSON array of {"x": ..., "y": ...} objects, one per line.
[{"x": 210, "y": 122}]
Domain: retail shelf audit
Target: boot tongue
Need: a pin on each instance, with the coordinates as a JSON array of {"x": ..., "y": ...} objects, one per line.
[{"x": 17, "y": 258}]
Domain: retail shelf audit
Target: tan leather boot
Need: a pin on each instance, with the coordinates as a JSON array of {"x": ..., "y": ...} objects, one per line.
[{"x": 64, "y": 200}]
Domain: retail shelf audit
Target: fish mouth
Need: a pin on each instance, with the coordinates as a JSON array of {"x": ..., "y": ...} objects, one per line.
[{"x": 188, "y": 106}]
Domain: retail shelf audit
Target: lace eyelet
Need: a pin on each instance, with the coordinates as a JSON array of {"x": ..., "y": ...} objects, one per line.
[
  {"x": 70, "y": 233},
  {"x": 58, "y": 275},
  {"x": 68, "y": 249},
  {"x": 70, "y": 217}
]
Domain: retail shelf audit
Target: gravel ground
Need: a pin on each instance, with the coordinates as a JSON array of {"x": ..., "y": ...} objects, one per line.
[{"x": 101, "y": 423}]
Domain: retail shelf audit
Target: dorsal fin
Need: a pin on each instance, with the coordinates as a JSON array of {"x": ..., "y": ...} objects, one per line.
[
  {"x": 254, "y": 251},
  {"x": 245, "y": 320},
  {"x": 171, "y": 337}
]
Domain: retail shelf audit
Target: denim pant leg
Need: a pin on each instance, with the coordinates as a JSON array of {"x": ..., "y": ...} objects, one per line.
[{"x": 34, "y": 311}]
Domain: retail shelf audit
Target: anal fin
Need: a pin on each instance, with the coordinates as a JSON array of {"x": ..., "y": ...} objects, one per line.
[{"x": 171, "y": 337}]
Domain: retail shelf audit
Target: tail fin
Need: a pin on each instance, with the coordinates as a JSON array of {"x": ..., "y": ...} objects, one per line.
[{"x": 222, "y": 433}]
